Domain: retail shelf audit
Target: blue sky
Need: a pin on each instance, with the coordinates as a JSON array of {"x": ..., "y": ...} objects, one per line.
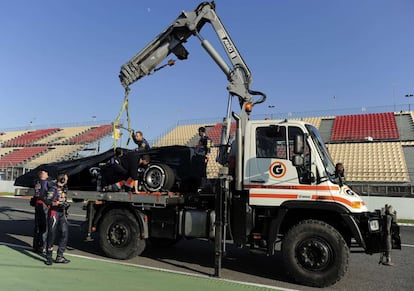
[{"x": 60, "y": 60}]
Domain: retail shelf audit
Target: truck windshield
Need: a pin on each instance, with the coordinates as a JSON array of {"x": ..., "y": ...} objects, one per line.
[{"x": 322, "y": 151}]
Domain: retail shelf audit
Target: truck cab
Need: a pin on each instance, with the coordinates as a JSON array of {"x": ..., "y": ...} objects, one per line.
[{"x": 288, "y": 160}]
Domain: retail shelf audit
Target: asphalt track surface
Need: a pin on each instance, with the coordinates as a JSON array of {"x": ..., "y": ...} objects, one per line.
[{"x": 191, "y": 259}]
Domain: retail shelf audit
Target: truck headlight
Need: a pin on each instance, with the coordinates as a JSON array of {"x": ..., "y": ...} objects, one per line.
[{"x": 374, "y": 225}]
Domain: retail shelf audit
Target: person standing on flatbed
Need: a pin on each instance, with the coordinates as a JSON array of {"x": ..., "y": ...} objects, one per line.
[
  {"x": 140, "y": 141},
  {"x": 202, "y": 155},
  {"x": 135, "y": 163}
]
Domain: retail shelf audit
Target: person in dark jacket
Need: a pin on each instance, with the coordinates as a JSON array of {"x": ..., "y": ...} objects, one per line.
[
  {"x": 113, "y": 172},
  {"x": 42, "y": 185},
  {"x": 141, "y": 142},
  {"x": 385, "y": 258},
  {"x": 340, "y": 173},
  {"x": 57, "y": 220},
  {"x": 202, "y": 155},
  {"x": 136, "y": 163}
]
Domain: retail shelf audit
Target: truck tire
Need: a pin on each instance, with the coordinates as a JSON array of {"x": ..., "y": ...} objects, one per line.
[
  {"x": 315, "y": 253},
  {"x": 158, "y": 177},
  {"x": 120, "y": 235}
]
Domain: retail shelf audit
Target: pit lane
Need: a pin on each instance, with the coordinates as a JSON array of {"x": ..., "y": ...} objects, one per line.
[{"x": 197, "y": 256}]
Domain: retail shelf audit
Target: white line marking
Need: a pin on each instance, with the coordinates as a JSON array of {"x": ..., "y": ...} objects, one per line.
[
  {"x": 77, "y": 215},
  {"x": 408, "y": 246}
]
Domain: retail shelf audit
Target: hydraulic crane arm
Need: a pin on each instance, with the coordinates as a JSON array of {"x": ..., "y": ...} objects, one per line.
[{"x": 172, "y": 40}]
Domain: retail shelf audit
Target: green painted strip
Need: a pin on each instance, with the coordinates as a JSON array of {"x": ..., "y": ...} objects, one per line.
[{"x": 21, "y": 269}]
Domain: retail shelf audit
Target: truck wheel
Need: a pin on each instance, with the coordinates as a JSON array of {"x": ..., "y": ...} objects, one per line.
[
  {"x": 315, "y": 254},
  {"x": 158, "y": 177},
  {"x": 119, "y": 235}
]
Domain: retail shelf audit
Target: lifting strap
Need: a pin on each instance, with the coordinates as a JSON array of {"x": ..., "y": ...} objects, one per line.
[
  {"x": 115, "y": 125},
  {"x": 124, "y": 106}
]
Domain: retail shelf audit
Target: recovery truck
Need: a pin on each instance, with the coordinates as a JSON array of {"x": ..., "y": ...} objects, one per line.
[{"x": 277, "y": 190}]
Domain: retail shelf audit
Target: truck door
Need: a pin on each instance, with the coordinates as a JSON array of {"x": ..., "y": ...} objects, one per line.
[{"x": 270, "y": 175}]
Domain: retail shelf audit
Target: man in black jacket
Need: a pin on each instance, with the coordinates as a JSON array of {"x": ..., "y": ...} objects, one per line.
[
  {"x": 136, "y": 163},
  {"x": 141, "y": 142},
  {"x": 42, "y": 186},
  {"x": 113, "y": 172},
  {"x": 57, "y": 220},
  {"x": 202, "y": 155}
]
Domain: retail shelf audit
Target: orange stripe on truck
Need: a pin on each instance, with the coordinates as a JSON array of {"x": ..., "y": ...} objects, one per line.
[
  {"x": 276, "y": 196},
  {"x": 293, "y": 187},
  {"x": 353, "y": 204}
]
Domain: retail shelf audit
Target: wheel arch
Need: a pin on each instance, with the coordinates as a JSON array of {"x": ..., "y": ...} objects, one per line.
[{"x": 292, "y": 212}]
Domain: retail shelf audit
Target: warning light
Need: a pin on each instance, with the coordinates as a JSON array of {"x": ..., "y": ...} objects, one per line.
[{"x": 248, "y": 107}]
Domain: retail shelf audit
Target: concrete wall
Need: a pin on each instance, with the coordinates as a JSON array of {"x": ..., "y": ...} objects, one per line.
[
  {"x": 7, "y": 186},
  {"x": 403, "y": 206}
]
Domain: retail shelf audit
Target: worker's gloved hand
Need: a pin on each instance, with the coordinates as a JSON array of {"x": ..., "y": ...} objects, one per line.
[{"x": 33, "y": 201}]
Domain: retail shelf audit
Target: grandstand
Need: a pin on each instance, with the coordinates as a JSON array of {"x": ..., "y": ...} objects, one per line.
[
  {"x": 29, "y": 138},
  {"x": 22, "y": 155},
  {"x": 377, "y": 149},
  {"x": 378, "y": 126},
  {"x": 180, "y": 135},
  {"x": 23, "y": 150},
  {"x": 91, "y": 135}
]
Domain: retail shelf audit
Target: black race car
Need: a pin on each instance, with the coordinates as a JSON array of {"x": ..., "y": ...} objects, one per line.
[{"x": 172, "y": 168}]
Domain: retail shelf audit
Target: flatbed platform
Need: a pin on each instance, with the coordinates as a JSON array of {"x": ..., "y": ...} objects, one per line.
[{"x": 155, "y": 199}]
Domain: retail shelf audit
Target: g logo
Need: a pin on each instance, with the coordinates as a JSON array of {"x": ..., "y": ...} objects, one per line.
[{"x": 277, "y": 170}]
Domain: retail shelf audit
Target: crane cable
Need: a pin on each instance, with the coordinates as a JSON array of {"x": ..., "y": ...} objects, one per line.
[
  {"x": 124, "y": 106},
  {"x": 115, "y": 124}
]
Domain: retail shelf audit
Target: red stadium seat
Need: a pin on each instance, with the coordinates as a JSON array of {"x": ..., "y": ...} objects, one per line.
[
  {"x": 376, "y": 126},
  {"x": 22, "y": 155},
  {"x": 29, "y": 137}
]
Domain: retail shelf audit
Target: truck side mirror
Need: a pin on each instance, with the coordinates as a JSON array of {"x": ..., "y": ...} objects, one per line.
[
  {"x": 298, "y": 161},
  {"x": 298, "y": 145}
]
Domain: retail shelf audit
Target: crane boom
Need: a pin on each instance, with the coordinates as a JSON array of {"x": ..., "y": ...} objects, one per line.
[
  {"x": 238, "y": 74},
  {"x": 171, "y": 41}
]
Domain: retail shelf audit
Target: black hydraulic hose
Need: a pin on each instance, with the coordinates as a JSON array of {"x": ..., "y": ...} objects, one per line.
[{"x": 261, "y": 100}]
